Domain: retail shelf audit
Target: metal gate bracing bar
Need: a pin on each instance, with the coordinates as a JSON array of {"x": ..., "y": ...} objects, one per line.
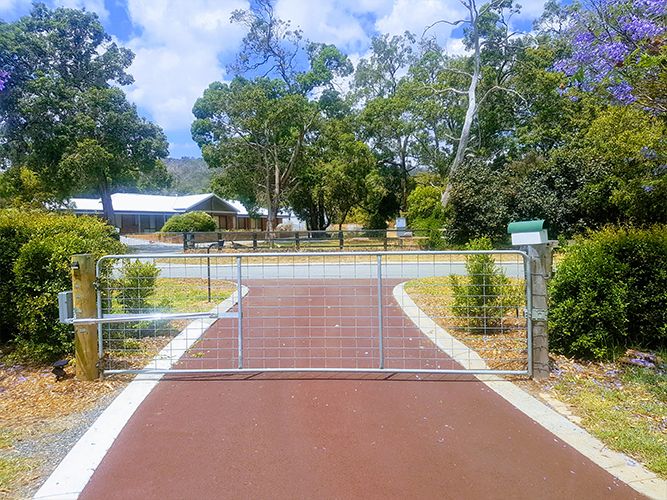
[{"x": 413, "y": 312}]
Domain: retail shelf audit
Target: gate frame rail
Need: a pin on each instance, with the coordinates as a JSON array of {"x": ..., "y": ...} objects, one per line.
[{"x": 102, "y": 319}]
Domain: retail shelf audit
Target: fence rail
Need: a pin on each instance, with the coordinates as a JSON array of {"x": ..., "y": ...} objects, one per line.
[
  {"x": 418, "y": 312},
  {"x": 290, "y": 241}
]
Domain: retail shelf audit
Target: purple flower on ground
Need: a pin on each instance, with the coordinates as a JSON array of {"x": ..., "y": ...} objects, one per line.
[
  {"x": 649, "y": 153},
  {"x": 642, "y": 362}
]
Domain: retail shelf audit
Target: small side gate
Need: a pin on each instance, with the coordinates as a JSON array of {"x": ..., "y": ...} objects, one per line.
[{"x": 418, "y": 312}]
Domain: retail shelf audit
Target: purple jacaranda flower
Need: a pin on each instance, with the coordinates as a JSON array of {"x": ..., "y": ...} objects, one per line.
[
  {"x": 640, "y": 28},
  {"x": 622, "y": 92},
  {"x": 610, "y": 38},
  {"x": 4, "y": 78},
  {"x": 651, "y": 7},
  {"x": 614, "y": 52}
]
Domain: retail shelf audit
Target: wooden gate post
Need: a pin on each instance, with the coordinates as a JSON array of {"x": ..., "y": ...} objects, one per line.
[{"x": 84, "y": 300}]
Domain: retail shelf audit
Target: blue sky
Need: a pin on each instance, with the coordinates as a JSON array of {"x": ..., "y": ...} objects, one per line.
[{"x": 183, "y": 45}]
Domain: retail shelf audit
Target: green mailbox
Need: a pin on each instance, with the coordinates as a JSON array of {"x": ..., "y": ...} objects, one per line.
[{"x": 528, "y": 232}]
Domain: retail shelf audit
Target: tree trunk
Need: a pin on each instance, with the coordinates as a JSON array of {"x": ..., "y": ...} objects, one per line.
[
  {"x": 107, "y": 205},
  {"x": 472, "y": 106}
]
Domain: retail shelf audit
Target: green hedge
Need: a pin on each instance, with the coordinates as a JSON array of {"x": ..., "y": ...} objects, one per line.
[
  {"x": 189, "y": 222},
  {"x": 610, "y": 293},
  {"x": 35, "y": 252}
]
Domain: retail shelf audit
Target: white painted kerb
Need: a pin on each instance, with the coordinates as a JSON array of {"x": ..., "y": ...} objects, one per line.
[
  {"x": 73, "y": 473},
  {"x": 615, "y": 463}
]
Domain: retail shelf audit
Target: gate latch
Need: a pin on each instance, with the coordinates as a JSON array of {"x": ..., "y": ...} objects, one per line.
[
  {"x": 539, "y": 314},
  {"x": 65, "y": 307}
]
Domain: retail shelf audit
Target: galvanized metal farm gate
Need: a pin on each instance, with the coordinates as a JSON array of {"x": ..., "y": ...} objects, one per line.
[{"x": 417, "y": 312}]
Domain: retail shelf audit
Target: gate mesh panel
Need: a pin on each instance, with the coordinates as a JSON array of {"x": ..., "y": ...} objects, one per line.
[{"x": 415, "y": 311}]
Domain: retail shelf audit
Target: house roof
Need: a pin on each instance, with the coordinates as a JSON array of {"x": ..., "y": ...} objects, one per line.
[
  {"x": 161, "y": 204},
  {"x": 149, "y": 203}
]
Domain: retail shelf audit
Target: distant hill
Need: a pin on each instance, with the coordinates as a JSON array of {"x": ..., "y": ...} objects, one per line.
[{"x": 190, "y": 176}]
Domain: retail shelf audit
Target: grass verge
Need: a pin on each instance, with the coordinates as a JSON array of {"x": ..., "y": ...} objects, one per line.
[
  {"x": 133, "y": 345},
  {"x": 623, "y": 406}
]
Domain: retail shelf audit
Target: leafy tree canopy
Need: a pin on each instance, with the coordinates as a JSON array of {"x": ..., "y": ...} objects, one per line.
[{"x": 60, "y": 115}]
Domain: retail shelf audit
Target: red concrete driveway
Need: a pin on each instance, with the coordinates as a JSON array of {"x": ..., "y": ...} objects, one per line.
[{"x": 334, "y": 436}]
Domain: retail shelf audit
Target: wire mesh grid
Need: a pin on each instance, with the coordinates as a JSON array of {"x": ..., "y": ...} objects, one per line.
[{"x": 408, "y": 311}]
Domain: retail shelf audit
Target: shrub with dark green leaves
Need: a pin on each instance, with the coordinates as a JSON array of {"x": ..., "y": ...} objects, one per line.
[
  {"x": 35, "y": 252},
  {"x": 479, "y": 297},
  {"x": 190, "y": 222},
  {"x": 610, "y": 293}
]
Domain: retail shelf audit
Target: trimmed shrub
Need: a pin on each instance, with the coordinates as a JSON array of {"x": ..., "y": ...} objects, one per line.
[
  {"x": 479, "y": 297},
  {"x": 35, "y": 252},
  {"x": 191, "y": 222},
  {"x": 610, "y": 293}
]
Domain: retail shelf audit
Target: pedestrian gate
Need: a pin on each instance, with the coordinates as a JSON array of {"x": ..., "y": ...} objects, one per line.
[{"x": 417, "y": 312}]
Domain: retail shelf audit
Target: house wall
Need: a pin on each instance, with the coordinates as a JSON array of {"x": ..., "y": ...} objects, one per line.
[{"x": 141, "y": 222}]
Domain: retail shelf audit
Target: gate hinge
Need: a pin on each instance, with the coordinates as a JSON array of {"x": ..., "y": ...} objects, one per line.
[{"x": 539, "y": 314}]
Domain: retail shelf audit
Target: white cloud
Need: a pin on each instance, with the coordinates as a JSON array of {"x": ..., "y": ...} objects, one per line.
[
  {"x": 96, "y": 6},
  {"x": 182, "y": 46},
  {"x": 531, "y": 9},
  {"x": 11, "y": 5},
  {"x": 415, "y": 16},
  {"x": 328, "y": 21},
  {"x": 178, "y": 54}
]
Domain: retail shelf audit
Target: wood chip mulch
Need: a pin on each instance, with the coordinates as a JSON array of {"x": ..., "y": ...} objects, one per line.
[{"x": 29, "y": 395}]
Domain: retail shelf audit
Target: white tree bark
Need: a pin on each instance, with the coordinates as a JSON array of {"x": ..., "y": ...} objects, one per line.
[{"x": 471, "y": 112}]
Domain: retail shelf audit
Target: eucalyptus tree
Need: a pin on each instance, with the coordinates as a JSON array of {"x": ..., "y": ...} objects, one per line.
[
  {"x": 487, "y": 34},
  {"x": 61, "y": 115},
  {"x": 387, "y": 117},
  {"x": 337, "y": 176},
  {"x": 273, "y": 48},
  {"x": 255, "y": 132}
]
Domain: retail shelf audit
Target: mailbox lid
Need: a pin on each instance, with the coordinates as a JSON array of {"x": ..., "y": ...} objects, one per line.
[{"x": 526, "y": 226}]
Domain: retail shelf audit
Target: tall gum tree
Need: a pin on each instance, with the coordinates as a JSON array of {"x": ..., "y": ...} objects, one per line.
[
  {"x": 255, "y": 130},
  {"x": 388, "y": 120},
  {"x": 480, "y": 30}
]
